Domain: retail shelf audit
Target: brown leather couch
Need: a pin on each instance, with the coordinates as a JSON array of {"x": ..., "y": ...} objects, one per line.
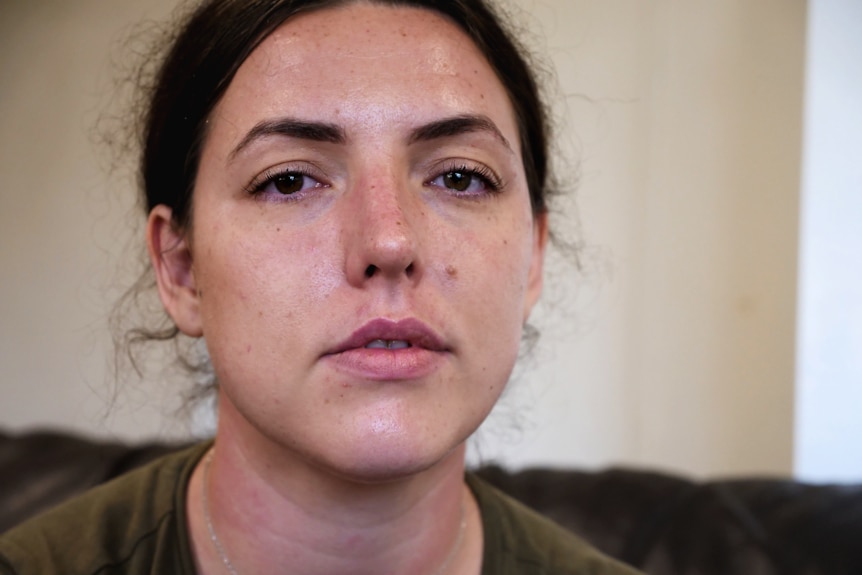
[{"x": 663, "y": 524}]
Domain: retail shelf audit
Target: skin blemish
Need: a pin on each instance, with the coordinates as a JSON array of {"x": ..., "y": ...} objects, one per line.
[
  {"x": 451, "y": 271},
  {"x": 248, "y": 349}
]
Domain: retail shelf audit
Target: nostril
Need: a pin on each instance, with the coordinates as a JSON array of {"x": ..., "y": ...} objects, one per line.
[
  {"x": 370, "y": 271},
  {"x": 409, "y": 270}
]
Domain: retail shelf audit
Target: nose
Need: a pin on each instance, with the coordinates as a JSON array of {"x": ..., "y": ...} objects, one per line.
[{"x": 381, "y": 234}]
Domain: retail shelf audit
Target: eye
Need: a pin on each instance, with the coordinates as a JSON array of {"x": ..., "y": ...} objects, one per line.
[
  {"x": 467, "y": 180},
  {"x": 460, "y": 181},
  {"x": 284, "y": 183},
  {"x": 291, "y": 183}
]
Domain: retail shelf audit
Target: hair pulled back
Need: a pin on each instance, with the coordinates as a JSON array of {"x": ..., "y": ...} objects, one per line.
[
  {"x": 177, "y": 92},
  {"x": 219, "y": 35}
]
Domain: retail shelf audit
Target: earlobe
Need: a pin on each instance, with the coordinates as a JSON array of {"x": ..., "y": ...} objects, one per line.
[
  {"x": 171, "y": 259},
  {"x": 537, "y": 263}
]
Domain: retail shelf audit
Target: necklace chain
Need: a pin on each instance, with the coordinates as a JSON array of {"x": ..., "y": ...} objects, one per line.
[
  {"x": 221, "y": 552},
  {"x": 232, "y": 570}
]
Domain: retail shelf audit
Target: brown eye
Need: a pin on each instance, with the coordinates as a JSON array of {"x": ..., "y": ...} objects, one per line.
[
  {"x": 288, "y": 184},
  {"x": 466, "y": 181},
  {"x": 459, "y": 181}
]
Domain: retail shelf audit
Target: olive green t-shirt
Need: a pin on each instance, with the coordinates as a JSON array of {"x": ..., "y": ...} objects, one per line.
[{"x": 136, "y": 525}]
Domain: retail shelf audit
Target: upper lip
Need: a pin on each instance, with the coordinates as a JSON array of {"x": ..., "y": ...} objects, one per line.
[{"x": 411, "y": 330}]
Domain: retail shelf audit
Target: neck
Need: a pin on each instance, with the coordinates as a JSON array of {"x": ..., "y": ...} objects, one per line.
[{"x": 270, "y": 509}]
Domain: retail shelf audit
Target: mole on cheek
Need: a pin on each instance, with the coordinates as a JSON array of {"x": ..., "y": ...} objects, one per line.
[{"x": 451, "y": 271}]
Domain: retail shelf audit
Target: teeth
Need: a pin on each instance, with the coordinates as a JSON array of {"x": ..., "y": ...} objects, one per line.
[{"x": 387, "y": 344}]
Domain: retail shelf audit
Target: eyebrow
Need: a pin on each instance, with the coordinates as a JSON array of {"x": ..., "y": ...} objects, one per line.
[
  {"x": 457, "y": 126},
  {"x": 292, "y": 128},
  {"x": 333, "y": 134}
]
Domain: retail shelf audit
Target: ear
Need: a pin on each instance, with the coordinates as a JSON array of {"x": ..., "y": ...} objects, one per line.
[
  {"x": 171, "y": 259},
  {"x": 537, "y": 263}
]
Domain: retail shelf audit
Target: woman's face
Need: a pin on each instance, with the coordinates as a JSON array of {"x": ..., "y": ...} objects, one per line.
[{"x": 362, "y": 251}]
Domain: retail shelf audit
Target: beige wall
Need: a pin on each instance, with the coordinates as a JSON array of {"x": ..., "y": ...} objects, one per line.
[{"x": 673, "y": 347}]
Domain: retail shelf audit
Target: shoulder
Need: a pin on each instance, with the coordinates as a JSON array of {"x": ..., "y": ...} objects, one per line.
[
  {"x": 519, "y": 540},
  {"x": 111, "y": 528}
]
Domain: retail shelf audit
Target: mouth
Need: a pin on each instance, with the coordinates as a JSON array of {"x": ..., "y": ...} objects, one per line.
[
  {"x": 388, "y": 344},
  {"x": 393, "y": 336},
  {"x": 383, "y": 350}
]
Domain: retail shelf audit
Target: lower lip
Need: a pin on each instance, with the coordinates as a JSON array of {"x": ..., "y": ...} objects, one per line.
[{"x": 388, "y": 364}]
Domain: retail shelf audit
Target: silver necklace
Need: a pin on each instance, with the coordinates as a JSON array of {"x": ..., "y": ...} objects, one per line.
[
  {"x": 232, "y": 570},
  {"x": 221, "y": 552}
]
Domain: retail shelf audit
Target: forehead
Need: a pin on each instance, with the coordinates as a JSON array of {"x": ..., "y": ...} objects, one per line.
[{"x": 370, "y": 64}]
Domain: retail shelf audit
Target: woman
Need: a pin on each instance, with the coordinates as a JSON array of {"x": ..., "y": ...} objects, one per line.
[{"x": 347, "y": 202}]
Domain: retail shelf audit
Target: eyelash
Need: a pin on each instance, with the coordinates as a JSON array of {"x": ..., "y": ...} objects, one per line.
[
  {"x": 259, "y": 185},
  {"x": 490, "y": 180}
]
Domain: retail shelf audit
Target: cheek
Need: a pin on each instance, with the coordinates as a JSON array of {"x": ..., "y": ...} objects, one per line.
[
  {"x": 259, "y": 288},
  {"x": 491, "y": 277}
]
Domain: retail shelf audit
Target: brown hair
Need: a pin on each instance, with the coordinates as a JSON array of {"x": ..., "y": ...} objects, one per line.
[
  {"x": 178, "y": 93},
  {"x": 219, "y": 35}
]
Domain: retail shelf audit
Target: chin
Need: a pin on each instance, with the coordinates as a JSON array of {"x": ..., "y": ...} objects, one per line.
[{"x": 372, "y": 460}]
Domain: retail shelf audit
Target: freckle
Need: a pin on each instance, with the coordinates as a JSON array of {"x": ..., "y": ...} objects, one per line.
[
  {"x": 505, "y": 242},
  {"x": 248, "y": 349},
  {"x": 326, "y": 401},
  {"x": 453, "y": 273},
  {"x": 278, "y": 229}
]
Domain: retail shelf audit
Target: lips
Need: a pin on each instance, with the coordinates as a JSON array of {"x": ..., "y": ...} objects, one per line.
[
  {"x": 392, "y": 335},
  {"x": 385, "y": 350}
]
